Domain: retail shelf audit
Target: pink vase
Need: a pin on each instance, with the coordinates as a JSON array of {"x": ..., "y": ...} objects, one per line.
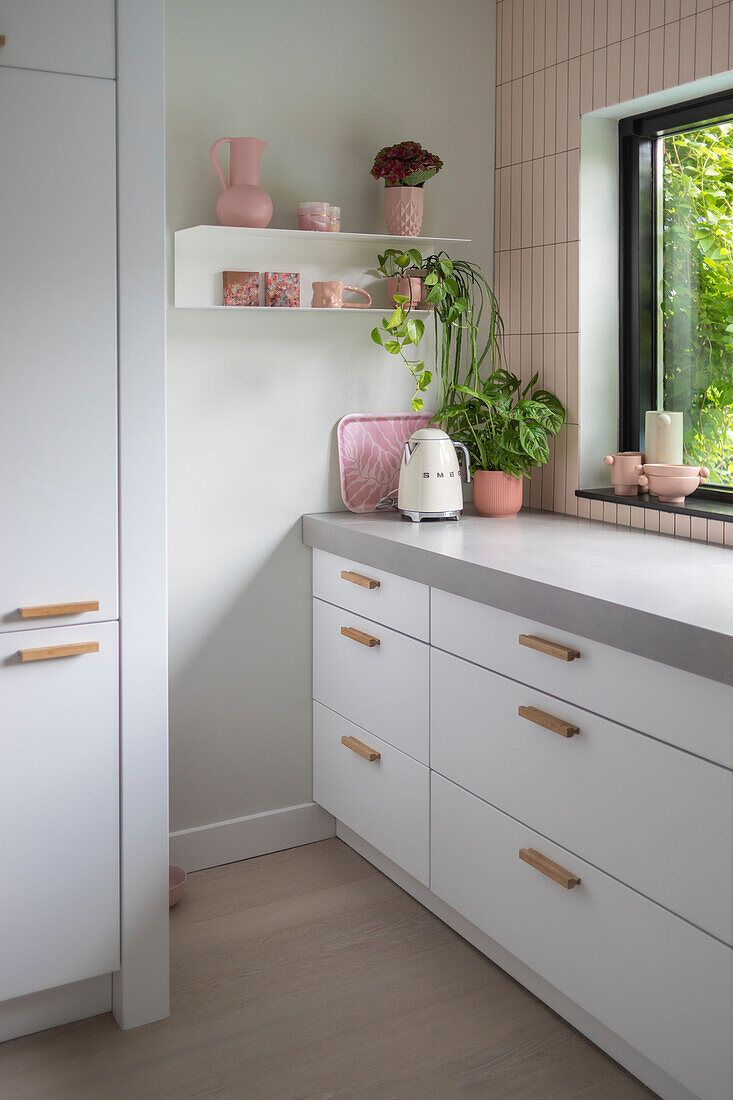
[
  {"x": 403, "y": 207},
  {"x": 496, "y": 493},
  {"x": 242, "y": 201}
]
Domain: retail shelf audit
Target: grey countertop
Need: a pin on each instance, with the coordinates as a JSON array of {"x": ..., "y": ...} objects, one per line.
[{"x": 667, "y": 599}]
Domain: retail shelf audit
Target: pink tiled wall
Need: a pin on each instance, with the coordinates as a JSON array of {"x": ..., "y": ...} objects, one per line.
[{"x": 558, "y": 59}]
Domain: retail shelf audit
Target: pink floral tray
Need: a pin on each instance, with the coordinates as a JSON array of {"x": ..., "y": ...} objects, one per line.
[{"x": 370, "y": 453}]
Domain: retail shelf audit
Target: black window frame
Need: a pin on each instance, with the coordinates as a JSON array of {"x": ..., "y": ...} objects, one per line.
[{"x": 638, "y": 261}]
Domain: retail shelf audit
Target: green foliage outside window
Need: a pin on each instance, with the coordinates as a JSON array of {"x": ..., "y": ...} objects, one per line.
[{"x": 697, "y": 293}]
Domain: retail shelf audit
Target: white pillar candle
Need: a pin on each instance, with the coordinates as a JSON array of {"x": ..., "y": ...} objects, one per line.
[{"x": 663, "y": 437}]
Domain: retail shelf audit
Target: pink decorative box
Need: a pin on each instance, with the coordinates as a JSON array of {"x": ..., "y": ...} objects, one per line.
[
  {"x": 282, "y": 288},
  {"x": 241, "y": 288}
]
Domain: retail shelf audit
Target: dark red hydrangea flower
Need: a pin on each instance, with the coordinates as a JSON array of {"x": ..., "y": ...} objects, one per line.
[{"x": 405, "y": 165}]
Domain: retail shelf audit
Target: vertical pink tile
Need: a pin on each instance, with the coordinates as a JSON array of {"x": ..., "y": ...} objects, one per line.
[
  {"x": 549, "y": 200},
  {"x": 671, "y": 10},
  {"x": 571, "y": 468},
  {"x": 501, "y": 229},
  {"x": 515, "y": 274},
  {"x": 562, "y": 36},
  {"x": 528, "y": 38},
  {"x": 538, "y": 205},
  {"x": 525, "y": 359},
  {"x": 517, "y": 122},
  {"x": 721, "y": 18},
  {"x": 503, "y": 125},
  {"x": 517, "y": 38},
  {"x": 715, "y": 531},
  {"x": 610, "y": 514},
  {"x": 511, "y": 347},
  {"x": 641, "y": 64},
  {"x": 573, "y": 127},
  {"x": 656, "y": 14},
  {"x": 586, "y": 26},
  {"x": 561, "y": 106},
  {"x": 642, "y": 16},
  {"x": 561, "y": 299},
  {"x": 538, "y": 289},
  {"x": 515, "y": 191},
  {"x": 499, "y": 42},
  {"x": 526, "y": 503},
  {"x": 687, "y": 7},
  {"x": 573, "y": 285},
  {"x": 651, "y": 519},
  {"x": 703, "y": 44},
  {"x": 526, "y": 227},
  {"x": 538, "y": 24},
  {"x": 600, "y": 25},
  {"x": 613, "y": 22},
  {"x": 550, "y": 95},
  {"x": 623, "y": 515},
  {"x": 637, "y": 518},
  {"x": 561, "y": 363},
  {"x": 613, "y": 73},
  {"x": 728, "y": 534},
  {"x": 558, "y": 488},
  {"x": 666, "y": 523},
  {"x": 628, "y": 18},
  {"x": 671, "y": 55},
  {"x": 574, "y": 28},
  {"x": 586, "y": 83},
  {"x": 548, "y": 480},
  {"x": 583, "y": 508},
  {"x": 626, "y": 78},
  {"x": 548, "y": 281},
  {"x": 538, "y": 95},
  {"x": 596, "y": 510},
  {"x": 599, "y": 79},
  {"x": 682, "y": 527},
  {"x": 528, "y": 117},
  {"x": 730, "y": 42},
  {"x": 698, "y": 529},
  {"x": 687, "y": 50},
  {"x": 656, "y": 59},
  {"x": 550, "y": 32},
  {"x": 536, "y": 343},
  {"x": 561, "y": 199},
  {"x": 504, "y": 287},
  {"x": 573, "y": 379},
  {"x": 548, "y": 362},
  {"x": 702, "y": 4}
]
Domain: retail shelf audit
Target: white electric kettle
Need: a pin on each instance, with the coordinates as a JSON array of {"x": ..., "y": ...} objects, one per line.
[{"x": 430, "y": 477}]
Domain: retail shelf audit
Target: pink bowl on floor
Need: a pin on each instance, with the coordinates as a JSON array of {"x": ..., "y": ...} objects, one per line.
[{"x": 176, "y": 882}]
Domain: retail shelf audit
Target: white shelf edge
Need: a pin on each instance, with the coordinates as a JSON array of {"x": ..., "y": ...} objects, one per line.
[
  {"x": 304, "y": 309},
  {"x": 285, "y": 234}
]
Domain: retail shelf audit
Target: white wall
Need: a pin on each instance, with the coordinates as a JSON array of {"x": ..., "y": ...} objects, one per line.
[{"x": 254, "y": 399}]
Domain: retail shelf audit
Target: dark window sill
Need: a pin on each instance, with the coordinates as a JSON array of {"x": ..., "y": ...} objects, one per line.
[{"x": 693, "y": 506}]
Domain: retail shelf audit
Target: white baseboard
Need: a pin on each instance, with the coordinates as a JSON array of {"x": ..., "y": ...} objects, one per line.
[
  {"x": 651, "y": 1074},
  {"x": 51, "y": 1007},
  {"x": 244, "y": 837}
]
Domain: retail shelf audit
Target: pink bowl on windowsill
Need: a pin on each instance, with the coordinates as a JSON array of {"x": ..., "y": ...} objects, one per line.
[
  {"x": 176, "y": 882},
  {"x": 671, "y": 483}
]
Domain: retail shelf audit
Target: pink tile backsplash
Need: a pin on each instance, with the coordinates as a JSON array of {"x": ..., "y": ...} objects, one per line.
[{"x": 558, "y": 59}]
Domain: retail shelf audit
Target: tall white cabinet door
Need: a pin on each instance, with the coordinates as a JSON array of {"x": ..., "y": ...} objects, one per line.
[
  {"x": 60, "y": 36},
  {"x": 58, "y": 374},
  {"x": 59, "y": 819}
]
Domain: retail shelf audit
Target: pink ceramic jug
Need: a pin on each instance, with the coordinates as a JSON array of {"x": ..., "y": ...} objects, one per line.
[
  {"x": 331, "y": 296},
  {"x": 242, "y": 201}
]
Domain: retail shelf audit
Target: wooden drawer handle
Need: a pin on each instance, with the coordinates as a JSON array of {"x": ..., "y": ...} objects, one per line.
[
  {"x": 47, "y": 610},
  {"x": 357, "y": 578},
  {"x": 50, "y": 653},
  {"x": 548, "y": 721},
  {"x": 361, "y": 749},
  {"x": 2, "y": 39},
  {"x": 359, "y": 636},
  {"x": 549, "y": 867},
  {"x": 552, "y": 649}
]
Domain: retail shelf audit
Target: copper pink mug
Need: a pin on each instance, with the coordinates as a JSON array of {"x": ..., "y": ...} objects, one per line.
[{"x": 331, "y": 296}]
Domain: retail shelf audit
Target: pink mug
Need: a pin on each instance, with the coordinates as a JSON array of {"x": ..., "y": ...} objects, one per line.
[{"x": 331, "y": 296}]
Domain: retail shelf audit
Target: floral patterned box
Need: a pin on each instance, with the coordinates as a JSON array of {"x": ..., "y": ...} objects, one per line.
[
  {"x": 241, "y": 288},
  {"x": 282, "y": 288}
]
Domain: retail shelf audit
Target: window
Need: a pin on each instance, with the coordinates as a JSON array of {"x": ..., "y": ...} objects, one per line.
[{"x": 677, "y": 279}]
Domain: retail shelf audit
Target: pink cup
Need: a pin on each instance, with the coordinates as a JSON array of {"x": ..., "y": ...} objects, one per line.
[
  {"x": 331, "y": 296},
  {"x": 623, "y": 472},
  {"x": 314, "y": 217}
]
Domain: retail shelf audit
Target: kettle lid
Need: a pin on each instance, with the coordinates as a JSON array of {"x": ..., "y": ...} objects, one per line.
[{"x": 429, "y": 435}]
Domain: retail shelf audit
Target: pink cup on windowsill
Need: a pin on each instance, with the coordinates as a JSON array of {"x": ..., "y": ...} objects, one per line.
[{"x": 623, "y": 472}]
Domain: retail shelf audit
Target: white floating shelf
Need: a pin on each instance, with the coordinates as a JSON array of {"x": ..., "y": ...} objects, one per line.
[
  {"x": 309, "y": 309},
  {"x": 203, "y": 252}
]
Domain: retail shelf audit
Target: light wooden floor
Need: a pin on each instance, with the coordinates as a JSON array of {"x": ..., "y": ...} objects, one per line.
[{"x": 308, "y": 974}]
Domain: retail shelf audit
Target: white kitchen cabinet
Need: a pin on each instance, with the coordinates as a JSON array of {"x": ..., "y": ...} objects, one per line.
[
  {"x": 59, "y": 36},
  {"x": 397, "y": 602},
  {"x": 58, "y": 413},
  {"x": 59, "y": 797}
]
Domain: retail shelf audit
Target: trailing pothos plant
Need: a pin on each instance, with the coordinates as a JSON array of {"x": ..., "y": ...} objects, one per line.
[
  {"x": 504, "y": 426},
  {"x": 462, "y": 299}
]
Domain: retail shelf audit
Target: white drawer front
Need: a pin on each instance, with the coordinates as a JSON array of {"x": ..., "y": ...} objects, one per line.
[
  {"x": 662, "y": 985},
  {"x": 654, "y": 817},
  {"x": 59, "y": 831},
  {"x": 678, "y": 707},
  {"x": 386, "y": 801},
  {"x": 382, "y": 688},
  {"x": 73, "y": 36},
  {"x": 404, "y": 605}
]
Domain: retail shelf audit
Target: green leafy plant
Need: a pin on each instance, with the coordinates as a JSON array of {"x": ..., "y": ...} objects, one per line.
[
  {"x": 504, "y": 426},
  {"x": 406, "y": 164}
]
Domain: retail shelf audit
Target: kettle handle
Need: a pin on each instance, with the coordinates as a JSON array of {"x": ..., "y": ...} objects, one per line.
[
  {"x": 466, "y": 459},
  {"x": 215, "y": 161}
]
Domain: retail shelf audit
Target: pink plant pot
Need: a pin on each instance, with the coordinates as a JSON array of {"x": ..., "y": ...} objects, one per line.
[
  {"x": 403, "y": 207},
  {"x": 411, "y": 288},
  {"x": 623, "y": 472},
  {"x": 496, "y": 493}
]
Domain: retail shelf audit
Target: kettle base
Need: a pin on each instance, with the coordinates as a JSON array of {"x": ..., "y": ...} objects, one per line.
[{"x": 417, "y": 517}]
